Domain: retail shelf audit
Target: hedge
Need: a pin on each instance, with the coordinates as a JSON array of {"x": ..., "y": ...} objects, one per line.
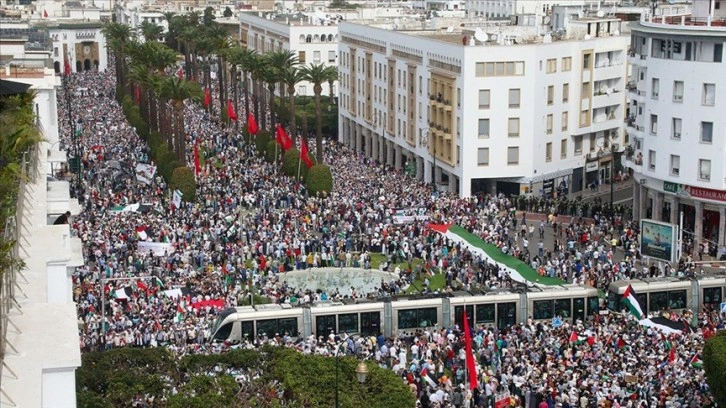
[
  {"x": 182, "y": 179},
  {"x": 261, "y": 141},
  {"x": 270, "y": 151},
  {"x": 714, "y": 362},
  {"x": 290, "y": 160},
  {"x": 319, "y": 180}
]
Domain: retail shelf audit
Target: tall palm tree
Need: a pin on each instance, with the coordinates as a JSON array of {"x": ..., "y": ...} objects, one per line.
[
  {"x": 149, "y": 62},
  {"x": 221, "y": 43},
  {"x": 118, "y": 37},
  {"x": 256, "y": 67},
  {"x": 291, "y": 76},
  {"x": 177, "y": 91},
  {"x": 279, "y": 61},
  {"x": 151, "y": 31},
  {"x": 318, "y": 74},
  {"x": 247, "y": 59}
]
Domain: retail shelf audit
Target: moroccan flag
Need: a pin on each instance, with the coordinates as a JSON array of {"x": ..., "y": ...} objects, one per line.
[
  {"x": 304, "y": 154},
  {"x": 252, "y": 127},
  {"x": 672, "y": 355},
  {"x": 45, "y": 14},
  {"x": 142, "y": 286},
  {"x": 138, "y": 94},
  {"x": 67, "y": 67},
  {"x": 141, "y": 232},
  {"x": 207, "y": 97},
  {"x": 470, "y": 365},
  {"x": 278, "y": 135},
  {"x": 230, "y": 110},
  {"x": 632, "y": 302},
  {"x": 197, "y": 164},
  {"x": 282, "y": 138}
]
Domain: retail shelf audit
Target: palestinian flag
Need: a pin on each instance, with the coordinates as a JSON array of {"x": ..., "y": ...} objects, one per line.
[
  {"x": 141, "y": 233},
  {"x": 123, "y": 293},
  {"x": 632, "y": 302},
  {"x": 696, "y": 361},
  {"x": 518, "y": 270},
  {"x": 667, "y": 326},
  {"x": 155, "y": 281},
  {"x": 180, "y": 311},
  {"x": 430, "y": 381}
]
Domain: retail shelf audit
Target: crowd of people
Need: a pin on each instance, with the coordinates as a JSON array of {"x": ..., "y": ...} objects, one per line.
[{"x": 249, "y": 224}]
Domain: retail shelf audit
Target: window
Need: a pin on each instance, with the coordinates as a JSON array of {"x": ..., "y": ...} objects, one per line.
[
  {"x": 543, "y": 309},
  {"x": 513, "y": 127},
  {"x": 552, "y": 66},
  {"x": 566, "y": 64},
  {"x": 548, "y": 152},
  {"x": 586, "y": 59},
  {"x": 565, "y": 119},
  {"x": 704, "y": 169},
  {"x": 675, "y": 165},
  {"x": 709, "y": 94},
  {"x": 651, "y": 159},
  {"x": 301, "y": 56},
  {"x": 706, "y": 132},
  {"x": 484, "y": 98},
  {"x": 485, "y": 313},
  {"x": 483, "y": 156},
  {"x": 413, "y": 318},
  {"x": 565, "y": 93},
  {"x": 563, "y": 149},
  {"x": 316, "y": 57},
  {"x": 514, "y": 95},
  {"x": 585, "y": 92},
  {"x": 511, "y": 68},
  {"x": 677, "y": 124},
  {"x": 549, "y": 124},
  {"x": 578, "y": 145},
  {"x": 717, "y": 52},
  {"x": 550, "y": 94},
  {"x": 592, "y": 142},
  {"x": 678, "y": 91},
  {"x": 584, "y": 118},
  {"x": 653, "y": 124},
  {"x": 331, "y": 58},
  {"x": 512, "y": 155},
  {"x": 348, "y": 323},
  {"x": 483, "y": 128},
  {"x": 654, "y": 88}
]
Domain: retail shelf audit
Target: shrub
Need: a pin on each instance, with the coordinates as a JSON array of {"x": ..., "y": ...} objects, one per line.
[
  {"x": 272, "y": 149},
  {"x": 714, "y": 362},
  {"x": 319, "y": 180},
  {"x": 182, "y": 179},
  {"x": 261, "y": 141},
  {"x": 291, "y": 162}
]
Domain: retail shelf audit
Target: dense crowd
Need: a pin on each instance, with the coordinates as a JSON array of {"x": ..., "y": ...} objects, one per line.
[{"x": 249, "y": 224}]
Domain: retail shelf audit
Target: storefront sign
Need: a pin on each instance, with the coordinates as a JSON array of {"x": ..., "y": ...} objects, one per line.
[
  {"x": 671, "y": 187},
  {"x": 707, "y": 193},
  {"x": 592, "y": 166}
]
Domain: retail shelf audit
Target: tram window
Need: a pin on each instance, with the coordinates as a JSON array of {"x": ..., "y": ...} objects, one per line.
[
  {"x": 272, "y": 327},
  {"x": 677, "y": 299},
  {"x": 642, "y": 299},
  {"x": 485, "y": 314},
  {"x": 578, "y": 309},
  {"x": 325, "y": 324},
  {"x": 615, "y": 301},
  {"x": 712, "y": 297},
  {"x": 411, "y": 318},
  {"x": 542, "y": 309},
  {"x": 658, "y": 301},
  {"x": 248, "y": 330},
  {"x": 506, "y": 315},
  {"x": 563, "y": 308},
  {"x": 288, "y": 326},
  {"x": 266, "y": 327},
  {"x": 370, "y": 324},
  {"x": 459, "y": 315},
  {"x": 593, "y": 305},
  {"x": 348, "y": 323},
  {"x": 224, "y": 332}
]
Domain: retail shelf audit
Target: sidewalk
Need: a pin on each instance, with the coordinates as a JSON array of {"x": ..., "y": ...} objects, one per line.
[{"x": 602, "y": 191}]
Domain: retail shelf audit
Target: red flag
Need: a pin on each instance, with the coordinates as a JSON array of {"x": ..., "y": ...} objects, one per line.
[
  {"x": 142, "y": 286},
  {"x": 67, "y": 67},
  {"x": 573, "y": 337},
  {"x": 252, "y": 127},
  {"x": 45, "y": 14},
  {"x": 278, "y": 135},
  {"x": 207, "y": 97},
  {"x": 197, "y": 164},
  {"x": 230, "y": 110},
  {"x": 672, "y": 355},
  {"x": 180, "y": 73},
  {"x": 282, "y": 138},
  {"x": 138, "y": 94},
  {"x": 304, "y": 154},
  {"x": 470, "y": 364}
]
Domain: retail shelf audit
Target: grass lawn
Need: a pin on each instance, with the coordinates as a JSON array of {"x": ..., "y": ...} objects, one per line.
[{"x": 436, "y": 282}]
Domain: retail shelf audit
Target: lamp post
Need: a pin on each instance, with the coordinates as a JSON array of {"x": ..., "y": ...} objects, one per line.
[
  {"x": 361, "y": 372},
  {"x": 425, "y": 139},
  {"x": 612, "y": 149}
]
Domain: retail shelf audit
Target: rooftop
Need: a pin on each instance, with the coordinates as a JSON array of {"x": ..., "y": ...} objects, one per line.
[{"x": 681, "y": 17}]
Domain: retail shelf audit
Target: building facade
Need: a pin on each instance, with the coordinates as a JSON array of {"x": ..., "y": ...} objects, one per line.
[
  {"x": 506, "y": 114},
  {"x": 314, "y": 41},
  {"x": 81, "y": 43},
  {"x": 676, "y": 119}
]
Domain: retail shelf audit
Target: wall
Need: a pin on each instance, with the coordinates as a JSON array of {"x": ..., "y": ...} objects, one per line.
[{"x": 59, "y": 388}]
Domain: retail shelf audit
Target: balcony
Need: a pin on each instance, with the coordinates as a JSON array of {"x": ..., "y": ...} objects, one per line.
[
  {"x": 681, "y": 16},
  {"x": 603, "y": 99}
]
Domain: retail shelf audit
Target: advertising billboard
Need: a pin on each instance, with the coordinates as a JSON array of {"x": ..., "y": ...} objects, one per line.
[{"x": 658, "y": 240}]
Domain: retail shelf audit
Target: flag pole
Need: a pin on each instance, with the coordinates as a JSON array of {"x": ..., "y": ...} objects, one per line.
[
  {"x": 274, "y": 160},
  {"x": 299, "y": 161}
]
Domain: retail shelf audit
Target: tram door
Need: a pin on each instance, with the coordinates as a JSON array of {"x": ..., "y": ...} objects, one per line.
[
  {"x": 370, "y": 323},
  {"x": 459, "y": 315},
  {"x": 578, "y": 309},
  {"x": 324, "y": 325},
  {"x": 506, "y": 315}
]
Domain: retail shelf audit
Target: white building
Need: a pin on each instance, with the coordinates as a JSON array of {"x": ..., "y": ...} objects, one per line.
[
  {"x": 81, "y": 43},
  {"x": 314, "y": 40},
  {"x": 515, "y": 113},
  {"x": 677, "y": 122},
  {"x": 503, "y": 9}
]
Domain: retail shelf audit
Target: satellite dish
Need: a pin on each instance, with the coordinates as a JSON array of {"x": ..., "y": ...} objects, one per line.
[
  {"x": 601, "y": 14},
  {"x": 480, "y": 35},
  {"x": 450, "y": 29},
  {"x": 546, "y": 20}
]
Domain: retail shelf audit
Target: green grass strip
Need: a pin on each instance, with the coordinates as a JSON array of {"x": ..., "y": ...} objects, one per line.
[{"x": 496, "y": 254}]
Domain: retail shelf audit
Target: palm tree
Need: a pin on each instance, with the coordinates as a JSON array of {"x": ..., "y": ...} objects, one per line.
[
  {"x": 319, "y": 74},
  {"x": 292, "y": 76},
  {"x": 221, "y": 43},
  {"x": 150, "y": 60},
  {"x": 118, "y": 36},
  {"x": 256, "y": 67},
  {"x": 247, "y": 59},
  {"x": 280, "y": 61},
  {"x": 151, "y": 31},
  {"x": 177, "y": 91}
]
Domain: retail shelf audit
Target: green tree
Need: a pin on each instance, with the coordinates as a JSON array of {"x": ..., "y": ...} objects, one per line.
[
  {"x": 714, "y": 362},
  {"x": 319, "y": 74},
  {"x": 208, "y": 17},
  {"x": 118, "y": 38},
  {"x": 151, "y": 31},
  {"x": 319, "y": 180},
  {"x": 177, "y": 91},
  {"x": 280, "y": 61},
  {"x": 182, "y": 179}
]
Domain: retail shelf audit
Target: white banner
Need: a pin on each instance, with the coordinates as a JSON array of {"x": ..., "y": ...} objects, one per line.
[
  {"x": 157, "y": 248},
  {"x": 407, "y": 219},
  {"x": 177, "y": 198},
  {"x": 145, "y": 173}
]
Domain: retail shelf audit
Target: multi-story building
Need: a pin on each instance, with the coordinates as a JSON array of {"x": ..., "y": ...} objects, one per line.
[
  {"x": 676, "y": 121},
  {"x": 313, "y": 39},
  {"x": 500, "y": 9},
  {"x": 497, "y": 109},
  {"x": 81, "y": 43}
]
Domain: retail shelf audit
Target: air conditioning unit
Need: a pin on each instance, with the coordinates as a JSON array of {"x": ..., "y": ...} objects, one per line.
[
  {"x": 676, "y": 135},
  {"x": 675, "y": 172}
]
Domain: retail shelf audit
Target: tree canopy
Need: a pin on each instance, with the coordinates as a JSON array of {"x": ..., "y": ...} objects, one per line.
[{"x": 714, "y": 362}]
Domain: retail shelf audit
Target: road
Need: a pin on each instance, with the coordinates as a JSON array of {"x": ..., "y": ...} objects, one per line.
[{"x": 622, "y": 193}]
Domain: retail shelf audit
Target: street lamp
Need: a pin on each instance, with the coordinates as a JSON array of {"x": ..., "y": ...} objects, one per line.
[
  {"x": 613, "y": 148},
  {"x": 361, "y": 371},
  {"x": 426, "y": 139}
]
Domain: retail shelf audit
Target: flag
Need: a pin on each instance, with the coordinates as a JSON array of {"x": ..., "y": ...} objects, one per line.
[
  {"x": 666, "y": 325},
  {"x": 142, "y": 286},
  {"x": 304, "y": 154},
  {"x": 180, "y": 73},
  {"x": 180, "y": 310},
  {"x": 632, "y": 302},
  {"x": 141, "y": 233},
  {"x": 621, "y": 343},
  {"x": 252, "y": 127},
  {"x": 230, "y": 110},
  {"x": 430, "y": 381},
  {"x": 138, "y": 94},
  {"x": 696, "y": 361},
  {"x": 672, "y": 355},
  {"x": 286, "y": 140},
  {"x": 45, "y": 14},
  {"x": 207, "y": 97},
  {"x": 155, "y": 281},
  {"x": 278, "y": 135},
  {"x": 574, "y": 337},
  {"x": 177, "y": 198},
  {"x": 470, "y": 364},
  {"x": 197, "y": 164},
  {"x": 123, "y": 293},
  {"x": 67, "y": 67}
]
